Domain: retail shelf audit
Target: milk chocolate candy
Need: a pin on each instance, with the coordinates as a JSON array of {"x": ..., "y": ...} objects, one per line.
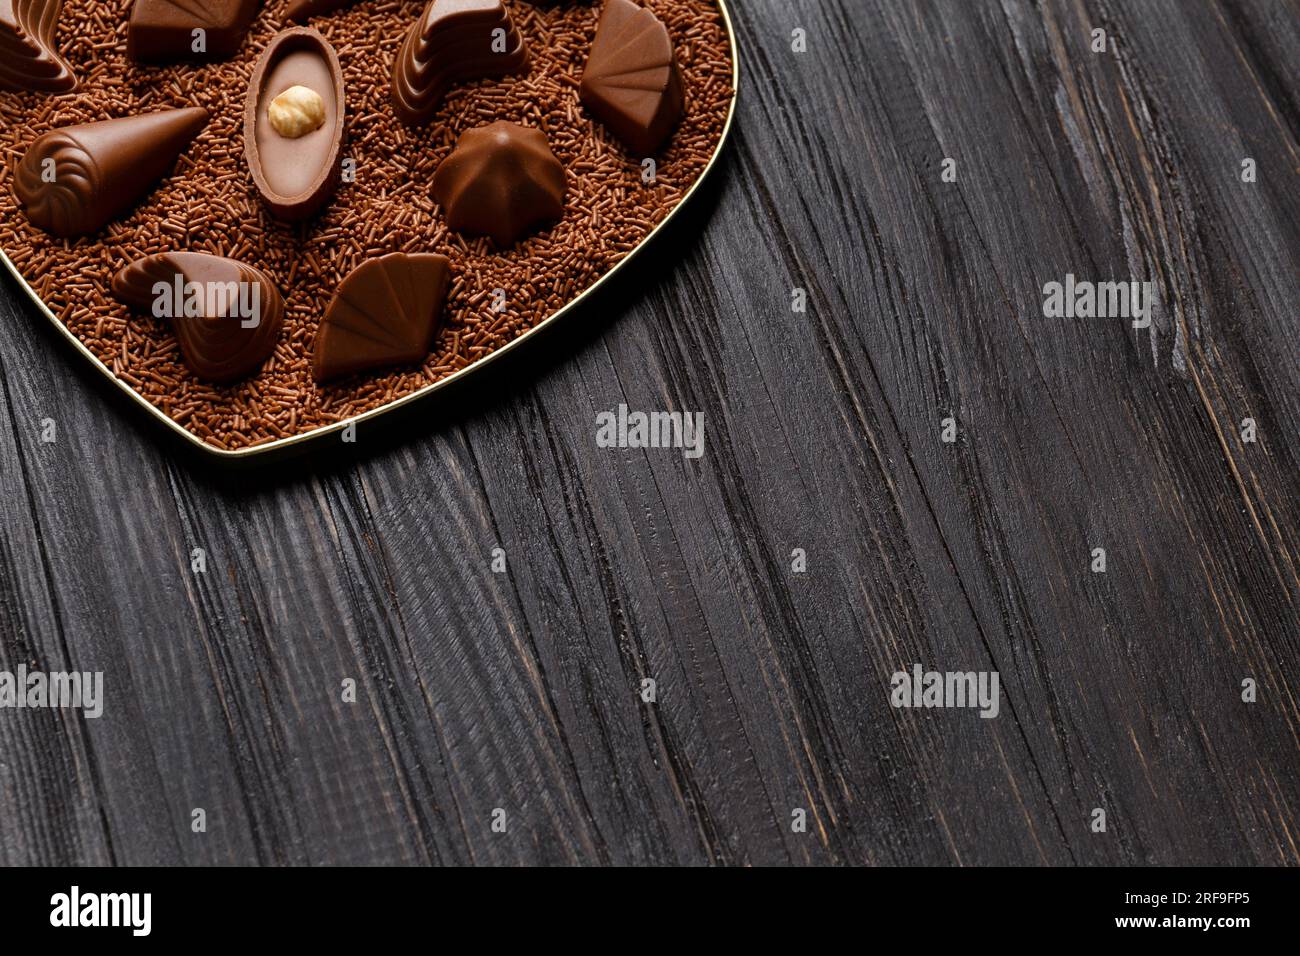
[
  {"x": 632, "y": 83},
  {"x": 28, "y": 59},
  {"x": 384, "y": 313},
  {"x": 74, "y": 179},
  {"x": 226, "y": 314},
  {"x": 300, "y": 11},
  {"x": 161, "y": 30},
  {"x": 500, "y": 181},
  {"x": 453, "y": 41},
  {"x": 295, "y": 174}
]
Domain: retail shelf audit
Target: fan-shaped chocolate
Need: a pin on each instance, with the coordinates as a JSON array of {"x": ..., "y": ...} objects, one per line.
[
  {"x": 74, "y": 179},
  {"x": 632, "y": 83},
  {"x": 500, "y": 181},
  {"x": 384, "y": 313},
  {"x": 28, "y": 59},
  {"x": 226, "y": 314},
  {"x": 454, "y": 40},
  {"x": 164, "y": 29},
  {"x": 295, "y": 175},
  {"x": 300, "y": 11}
]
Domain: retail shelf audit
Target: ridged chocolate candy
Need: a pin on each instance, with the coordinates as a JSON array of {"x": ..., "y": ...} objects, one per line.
[
  {"x": 454, "y": 40},
  {"x": 632, "y": 83},
  {"x": 384, "y": 313},
  {"x": 28, "y": 59},
  {"x": 74, "y": 179},
  {"x": 222, "y": 343},
  {"x": 500, "y": 181}
]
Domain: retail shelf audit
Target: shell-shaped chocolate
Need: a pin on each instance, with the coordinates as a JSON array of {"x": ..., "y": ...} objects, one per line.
[
  {"x": 632, "y": 83},
  {"x": 240, "y": 311},
  {"x": 384, "y": 313},
  {"x": 28, "y": 59},
  {"x": 295, "y": 176},
  {"x": 74, "y": 179},
  {"x": 164, "y": 29},
  {"x": 501, "y": 180},
  {"x": 454, "y": 40}
]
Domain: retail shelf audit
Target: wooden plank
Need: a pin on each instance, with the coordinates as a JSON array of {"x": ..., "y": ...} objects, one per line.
[{"x": 520, "y": 691}]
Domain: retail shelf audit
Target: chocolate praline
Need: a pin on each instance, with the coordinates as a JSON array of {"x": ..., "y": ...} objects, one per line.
[
  {"x": 75, "y": 179},
  {"x": 500, "y": 181},
  {"x": 295, "y": 176}
]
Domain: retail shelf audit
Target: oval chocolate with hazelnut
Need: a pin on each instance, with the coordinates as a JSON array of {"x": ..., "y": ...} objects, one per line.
[{"x": 294, "y": 123}]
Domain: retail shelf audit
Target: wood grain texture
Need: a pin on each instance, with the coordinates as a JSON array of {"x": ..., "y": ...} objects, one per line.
[{"x": 478, "y": 690}]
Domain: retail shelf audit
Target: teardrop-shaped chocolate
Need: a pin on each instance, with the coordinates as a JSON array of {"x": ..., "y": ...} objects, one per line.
[
  {"x": 226, "y": 314},
  {"x": 74, "y": 179},
  {"x": 295, "y": 175},
  {"x": 384, "y": 313},
  {"x": 453, "y": 41},
  {"x": 28, "y": 59},
  {"x": 632, "y": 82}
]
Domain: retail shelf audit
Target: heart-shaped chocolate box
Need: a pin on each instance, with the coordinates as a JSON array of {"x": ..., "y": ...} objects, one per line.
[{"x": 615, "y": 198}]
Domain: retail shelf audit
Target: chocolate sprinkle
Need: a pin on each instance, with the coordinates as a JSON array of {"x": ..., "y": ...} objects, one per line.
[{"x": 209, "y": 204}]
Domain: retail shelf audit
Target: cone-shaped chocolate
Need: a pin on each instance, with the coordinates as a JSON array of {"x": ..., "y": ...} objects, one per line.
[
  {"x": 632, "y": 83},
  {"x": 300, "y": 11},
  {"x": 226, "y": 314},
  {"x": 28, "y": 60},
  {"x": 384, "y": 313},
  {"x": 500, "y": 181},
  {"x": 100, "y": 170}
]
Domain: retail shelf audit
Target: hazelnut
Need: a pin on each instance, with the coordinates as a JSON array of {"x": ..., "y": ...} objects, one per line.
[{"x": 296, "y": 112}]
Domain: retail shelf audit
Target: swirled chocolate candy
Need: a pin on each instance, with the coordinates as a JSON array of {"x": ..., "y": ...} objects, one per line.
[
  {"x": 454, "y": 40},
  {"x": 74, "y": 179},
  {"x": 300, "y": 11},
  {"x": 500, "y": 181},
  {"x": 632, "y": 83},
  {"x": 384, "y": 313},
  {"x": 164, "y": 29},
  {"x": 28, "y": 60},
  {"x": 226, "y": 314}
]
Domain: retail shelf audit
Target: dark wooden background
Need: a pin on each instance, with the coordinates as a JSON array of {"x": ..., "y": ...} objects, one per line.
[{"x": 519, "y": 691}]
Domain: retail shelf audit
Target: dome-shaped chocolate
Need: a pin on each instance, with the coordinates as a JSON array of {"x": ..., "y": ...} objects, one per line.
[{"x": 500, "y": 181}]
